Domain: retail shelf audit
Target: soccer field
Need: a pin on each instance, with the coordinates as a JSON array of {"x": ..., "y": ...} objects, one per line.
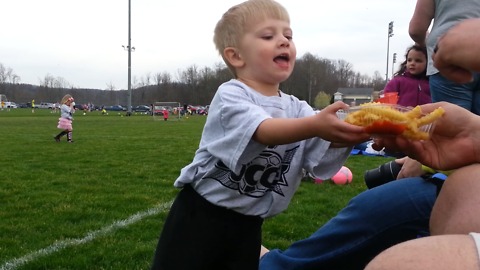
[{"x": 99, "y": 203}]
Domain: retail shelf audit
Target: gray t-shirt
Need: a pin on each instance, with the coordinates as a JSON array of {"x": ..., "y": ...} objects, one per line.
[
  {"x": 233, "y": 171},
  {"x": 447, "y": 14}
]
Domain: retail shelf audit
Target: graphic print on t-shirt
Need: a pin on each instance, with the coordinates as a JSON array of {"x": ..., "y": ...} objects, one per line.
[{"x": 263, "y": 174}]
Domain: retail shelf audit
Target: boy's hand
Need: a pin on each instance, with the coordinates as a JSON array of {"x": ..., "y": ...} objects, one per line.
[
  {"x": 325, "y": 124},
  {"x": 329, "y": 127}
]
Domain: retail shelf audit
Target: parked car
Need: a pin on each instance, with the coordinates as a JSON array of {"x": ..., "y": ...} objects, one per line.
[
  {"x": 201, "y": 110},
  {"x": 141, "y": 108},
  {"x": 29, "y": 105},
  {"x": 158, "y": 110},
  {"x": 79, "y": 106},
  {"x": 192, "y": 109},
  {"x": 45, "y": 105},
  {"x": 10, "y": 105},
  {"x": 115, "y": 108}
]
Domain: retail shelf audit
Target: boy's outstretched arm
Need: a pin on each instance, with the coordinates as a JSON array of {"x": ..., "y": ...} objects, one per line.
[{"x": 325, "y": 124}]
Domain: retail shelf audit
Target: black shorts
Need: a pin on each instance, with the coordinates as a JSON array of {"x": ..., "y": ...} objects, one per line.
[{"x": 200, "y": 235}]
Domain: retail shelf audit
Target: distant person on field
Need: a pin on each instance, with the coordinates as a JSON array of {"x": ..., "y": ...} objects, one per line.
[
  {"x": 165, "y": 114},
  {"x": 411, "y": 81},
  {"x": 255, "y": 145},
  {"x": 103, "y": 110},
  {"x": 66, "y": 117},
  {"x": 33, "y": 105},
  {"x": 185, "y": 109}
]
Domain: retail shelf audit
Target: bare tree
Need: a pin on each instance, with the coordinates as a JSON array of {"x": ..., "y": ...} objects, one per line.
[
  {"x": 111, "y": 86},
  {"x": 162, "y": 78},
  {"x": 190, "y": 77},
  {"x": 147, "y": 79},
  {"x": 222, "y": 73},
  {"x": 15, "y": 79},
  {"x": 7, "y": 75},
  {"x": 378, "y": 81},
  {"x": 345, "y": 72},
  {"x": 48, "y": 81},
  {"x": 135, "y": 83},
  {"x": 3, "y": 74},
  {"x": 60, "y": 82}
]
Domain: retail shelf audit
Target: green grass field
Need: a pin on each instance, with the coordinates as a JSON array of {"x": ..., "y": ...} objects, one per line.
[{"x": 99, "y": 203}]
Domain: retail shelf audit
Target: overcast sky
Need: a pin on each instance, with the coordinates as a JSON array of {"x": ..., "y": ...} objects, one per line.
[{"x": 81, "y": 41}]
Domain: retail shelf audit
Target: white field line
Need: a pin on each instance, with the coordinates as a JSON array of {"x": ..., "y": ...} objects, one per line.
[{"x": 59, "y": 245}]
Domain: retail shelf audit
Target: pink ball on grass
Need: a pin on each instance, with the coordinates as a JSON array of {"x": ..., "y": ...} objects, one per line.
[{"x": 343, "y": 176}]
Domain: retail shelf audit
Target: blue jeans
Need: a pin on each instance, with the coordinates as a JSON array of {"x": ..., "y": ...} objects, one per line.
[
  {"x": 464, "y": 95},
  {"x": 373, "y": 221}
]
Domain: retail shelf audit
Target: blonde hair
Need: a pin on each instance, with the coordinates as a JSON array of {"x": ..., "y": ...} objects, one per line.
[
  {"x": 66, "y": 98},
  {"x": 232, "y": 26}
]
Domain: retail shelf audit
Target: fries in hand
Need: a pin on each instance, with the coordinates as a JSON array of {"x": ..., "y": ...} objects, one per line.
[{"x": 392, "y": 119}]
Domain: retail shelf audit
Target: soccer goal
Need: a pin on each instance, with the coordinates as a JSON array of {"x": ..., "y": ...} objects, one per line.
[{"x": 166, "y": 111}]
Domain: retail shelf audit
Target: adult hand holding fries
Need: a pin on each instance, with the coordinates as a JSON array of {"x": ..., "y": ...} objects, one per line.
[
  {"x": 390, "y": 119},
  {"x": 455, "y": 141}
]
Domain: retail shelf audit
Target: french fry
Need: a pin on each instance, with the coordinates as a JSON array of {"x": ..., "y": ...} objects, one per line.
[{"x": 413, "y": 119}]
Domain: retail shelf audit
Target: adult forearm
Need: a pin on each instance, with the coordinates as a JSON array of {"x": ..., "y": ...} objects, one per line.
[
  {"x": 418, "y": 33},
  {"x": 420, "y": 21},
  {"x": 459, "y": 47}
]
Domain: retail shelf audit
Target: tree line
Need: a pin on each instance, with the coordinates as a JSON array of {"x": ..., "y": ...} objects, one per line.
[{"x": 312, "y": 76}]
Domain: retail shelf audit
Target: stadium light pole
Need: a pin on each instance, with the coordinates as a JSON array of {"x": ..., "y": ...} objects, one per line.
[
  {"x": 394, "y": 60},
  {"x": 390, "y": 34},
  {"x": 129, "y": 48}
]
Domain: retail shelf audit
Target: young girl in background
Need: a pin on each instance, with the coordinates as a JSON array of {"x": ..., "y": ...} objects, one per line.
[
  {"x": 66, "y": 116},
  {"x": 411, "y": 81}
]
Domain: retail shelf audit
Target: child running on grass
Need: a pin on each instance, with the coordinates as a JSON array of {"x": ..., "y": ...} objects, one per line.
[
  {"x": 66, "y": 117},
  {"x": 256, "y": 142}
]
